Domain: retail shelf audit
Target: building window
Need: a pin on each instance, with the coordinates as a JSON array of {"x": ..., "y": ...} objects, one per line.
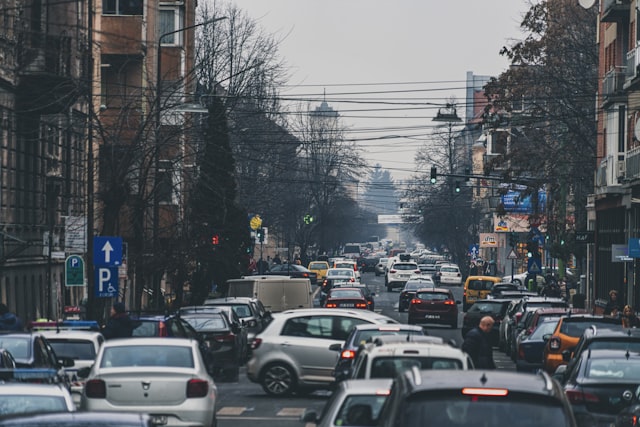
[
  {"x": 170, "y": 21},
  {"x": 122, "y": 7}
]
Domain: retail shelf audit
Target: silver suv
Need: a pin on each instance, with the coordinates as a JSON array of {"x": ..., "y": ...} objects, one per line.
[
  {"x": 293, "y": 352},
  {"x": 399, "y": 273}
]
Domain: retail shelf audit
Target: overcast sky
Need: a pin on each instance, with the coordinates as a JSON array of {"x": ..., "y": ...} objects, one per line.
[{"x": 386, "y": 65}]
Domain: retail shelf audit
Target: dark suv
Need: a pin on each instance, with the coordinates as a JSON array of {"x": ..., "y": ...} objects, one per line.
[{"x": 476, "y": 398}]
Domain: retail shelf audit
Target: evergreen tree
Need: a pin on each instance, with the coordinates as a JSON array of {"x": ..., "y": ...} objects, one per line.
[{"x": 380, "y": 194}]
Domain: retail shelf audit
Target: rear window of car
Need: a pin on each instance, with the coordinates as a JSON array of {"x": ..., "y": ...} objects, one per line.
[
  {"x": 399, "y": 266},
  {"x": 389, "y": 367},
  {"x": 345, "y": 293},
  {"x": 143, "y": 328},
  {"x": 417, "y": 285},
  {"x": 487, "y": 307},
  {"x": 209, "y": 323},
  {"x": 576, "y": 329},
  {"x": 481, "y": 285},
  {"x": 340, "y": 273},
  {"x": 347, "y": 414},
  {"x": 432, "y": 296},
  {"x": 449, "y": 270},
  {"x": 368, "y": 335},
  {"x": 24, "y": 403},
  {"x": 457, "y": 409},
  {"x": 318, "y": 266},
  {"x": 614, "y": 369},
  {"x": 74, "y": 348},
  {"x": 20, "y": 348},
  {"x": 147, "y": 355}
]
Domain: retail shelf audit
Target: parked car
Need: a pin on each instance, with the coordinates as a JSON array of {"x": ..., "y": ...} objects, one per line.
[
  {"x": 567, "y": 334},
  {"x": 353, "y": 403},
  {"x": 305, "y": 362},
  {"x": 408, "y": 292},
  {"x": 165, "y": 378},
  {"x": 434, "y": 305},
  {"x": 472, "y": 398},
  {"x": 601, "y": 385},
  {"x": 250, "y": 311},
  {"x": 293, "y": 270},
  {"x": 361, "y": 334},
  {"x": 530, "y": 347}
]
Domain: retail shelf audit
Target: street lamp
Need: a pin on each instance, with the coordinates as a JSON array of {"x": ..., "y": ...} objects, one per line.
[{"x": 156, "y": 154}]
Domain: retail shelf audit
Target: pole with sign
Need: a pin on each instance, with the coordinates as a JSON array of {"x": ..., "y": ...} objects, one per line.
[
  {"x": 74, "y": 271},
  {"x": 107, "y": 257}
]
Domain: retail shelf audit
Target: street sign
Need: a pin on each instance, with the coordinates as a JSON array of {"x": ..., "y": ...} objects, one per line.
[
  {"x": 512, "y": 255},
  {"x": 106, "y": 283},
  {"x": 534, "y": 266},
  {"x": 585, "y": 236},
  {"x": 74, "y": 271},
  {"x": 634, "y": 247},
  {"x": 107, "y": 251}
]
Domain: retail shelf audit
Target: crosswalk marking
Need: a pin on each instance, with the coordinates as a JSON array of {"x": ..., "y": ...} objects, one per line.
[
  {"x": 291, "y": 412},
  {"x": 231, "y": 410},
  {"x": 241, "y": 410}
]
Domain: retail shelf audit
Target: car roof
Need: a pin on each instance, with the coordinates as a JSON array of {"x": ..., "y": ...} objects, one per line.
[
  {"x": 88, "y": 335},
  {"x": 540, "y": 383},
  {"x": 369, "y": 315},
  {"x": 78, "y": 418},
  {"x": 608, "y": 353},
  {"x": 435, "y": 290},
  {"x": 387, "y": 327},
  {"x": 229, "y": 300},
  {"x": 368, "y": 386},
  {"x": 163, "y": 341},
  {"x": 40, "y": 389}
]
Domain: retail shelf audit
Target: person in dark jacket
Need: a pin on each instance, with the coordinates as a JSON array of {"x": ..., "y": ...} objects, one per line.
[
  {"x": 8, "y": 320},
  {"x": 478, "y": 345},
  {"x": 119, "y": 324}
]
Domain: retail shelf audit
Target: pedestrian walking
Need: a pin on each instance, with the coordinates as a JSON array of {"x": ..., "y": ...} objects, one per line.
[
  {"x": 119, "y": 324},
  {"x": 477, "y": 344},
  {"x": 8, "y": 320},
  {"x": 613, "y": 305}
]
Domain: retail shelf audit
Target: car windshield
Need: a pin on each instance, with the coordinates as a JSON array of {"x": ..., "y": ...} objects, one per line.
[
  {"x": 544, "y": 328},
  {"x": 481, "y": 285},
  {"x": 613, "y": 369},
  {"x": 19, "y": 347},
  {"x": 398, "y": 266},
  {"x": 458, "y": 410},
  {"x": 75, "y": 349},
  {"x": 389, "y": 367},
  {"x": 432, "y": 296},
  {"x": 340, "y": 274},
  {"x": 486, "y": 307},
  {"x": 21, "y": 404},
  {"x": 147, "y": 355},
  {"x": 345, "y": 293}
]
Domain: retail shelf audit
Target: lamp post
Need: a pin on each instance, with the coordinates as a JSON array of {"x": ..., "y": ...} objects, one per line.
[{"x": 156, "y": 153}]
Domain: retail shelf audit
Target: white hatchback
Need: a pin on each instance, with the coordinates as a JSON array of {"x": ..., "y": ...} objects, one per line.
[{"x": 449, "y": 274}]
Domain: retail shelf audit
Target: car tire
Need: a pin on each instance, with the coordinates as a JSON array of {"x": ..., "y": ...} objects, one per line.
[{"x": 278, "y": 379}]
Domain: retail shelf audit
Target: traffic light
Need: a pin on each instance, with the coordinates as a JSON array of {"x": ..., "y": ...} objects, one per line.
[
  {"x": 215, "y": 239},
  {"x": 434, "y": 174},
  {"x": 457, "y": 186},
  {"x": 308, "y": 219},
  {"x": 260, "y": 234}
]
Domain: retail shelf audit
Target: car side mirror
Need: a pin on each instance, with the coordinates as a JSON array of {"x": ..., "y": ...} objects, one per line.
[{"x": 84, "y": 372}]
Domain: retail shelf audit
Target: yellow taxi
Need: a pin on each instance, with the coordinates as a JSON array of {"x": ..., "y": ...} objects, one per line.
[
  {"x": 320, "y": 268},
  {"x": 476, "y": 288},
  {"x": 565, "y": 337}
]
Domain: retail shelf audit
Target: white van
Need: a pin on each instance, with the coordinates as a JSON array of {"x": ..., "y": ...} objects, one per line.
[{"x": 277, "y": 293}]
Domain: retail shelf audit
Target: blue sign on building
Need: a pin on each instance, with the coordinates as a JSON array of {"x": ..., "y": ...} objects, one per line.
[
  {"x": 634, "y": 247},
  {"x": 515, "y": 201}
]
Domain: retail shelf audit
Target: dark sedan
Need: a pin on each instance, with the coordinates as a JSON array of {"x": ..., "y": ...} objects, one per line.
[
  {"x": 343, "y": 297},
  {"x": 434, "y": 305},
  {"x": 293, "y": 270},
  {"x": 531, "y": 347}
]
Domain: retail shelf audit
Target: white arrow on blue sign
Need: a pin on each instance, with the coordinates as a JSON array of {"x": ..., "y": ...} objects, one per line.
[
  {"x": 106, "y": 283},
  {"x": 107, "y": 251}
]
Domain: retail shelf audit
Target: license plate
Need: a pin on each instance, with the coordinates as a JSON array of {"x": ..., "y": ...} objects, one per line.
[
  {"x": 432, "y": 316},
  {"x": 404, "y": 275},
  {"x": 159, "y": 420},
  {"x": 347, "y": 305}
]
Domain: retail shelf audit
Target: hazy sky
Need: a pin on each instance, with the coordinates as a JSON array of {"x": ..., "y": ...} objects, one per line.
[{"x": 387, "y": 65}]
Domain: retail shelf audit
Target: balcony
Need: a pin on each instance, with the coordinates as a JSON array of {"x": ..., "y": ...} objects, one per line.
[
  {"x": 632, "y": 164},
  {"x": 613, "y": 85},
  {"x": 46, "y": 83},
  {"x": 616, "y": 10},
  {"x": 609, "y": 174}
]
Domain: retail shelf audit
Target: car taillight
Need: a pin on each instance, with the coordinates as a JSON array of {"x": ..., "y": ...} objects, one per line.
[
  {"x": 355, "y": 267},
  {"x": 225, "y": 338},
  {"x": 305, "y": 274},
  {"x": 361, "y": 305},
  {"x": 162, "y": 330},
  {"x": 95, "y": 389},
  {"x": 256, "y": 343},
  {"x": 416, "y": 301},
  {"x": 331, "y": 305},
  {"x": 554, "y": 343},
  {"x": 348, "y": 354},
  {"x": 197, "y": 388},
  {"x": 324, "y": 283},
  {"x": 353, "y": 279},
  {"x": 393, "y": 271},
  {"x": 449, "y": 302},
  {"x": 518, "y": 317},
  {"x": 417, "y": 271},
  {"x": 577, "y": 397},
  {"x": 485, "y": 391}
]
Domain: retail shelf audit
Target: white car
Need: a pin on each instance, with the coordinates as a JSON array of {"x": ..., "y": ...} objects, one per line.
[
  {"x": 381, "y": 266},
  {"x": 165, "y": 378},
  {"x": 82, "y": 347},
  {"x": 388, "y": 356},
  {"x": 28, "y": 398},
  {"x": 293, "y": 352},
  {"x": 353, "y": 403},
  {"x": 348, "y": 263},
  {"x": 448, "y": 274},
  {"x": 399, "y": 273}
]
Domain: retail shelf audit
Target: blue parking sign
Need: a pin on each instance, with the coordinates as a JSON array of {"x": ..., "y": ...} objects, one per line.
[{"x": 106, "y": 283}]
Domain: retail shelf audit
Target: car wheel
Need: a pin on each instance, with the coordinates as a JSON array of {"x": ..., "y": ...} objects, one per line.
[{"x": 278, "y": 380}]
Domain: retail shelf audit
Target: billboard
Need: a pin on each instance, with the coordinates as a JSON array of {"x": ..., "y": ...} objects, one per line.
[{"x": 515, "y": 201}]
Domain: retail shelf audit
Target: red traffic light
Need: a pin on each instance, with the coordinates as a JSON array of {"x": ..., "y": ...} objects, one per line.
[{"x": 215, "y": 239}]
